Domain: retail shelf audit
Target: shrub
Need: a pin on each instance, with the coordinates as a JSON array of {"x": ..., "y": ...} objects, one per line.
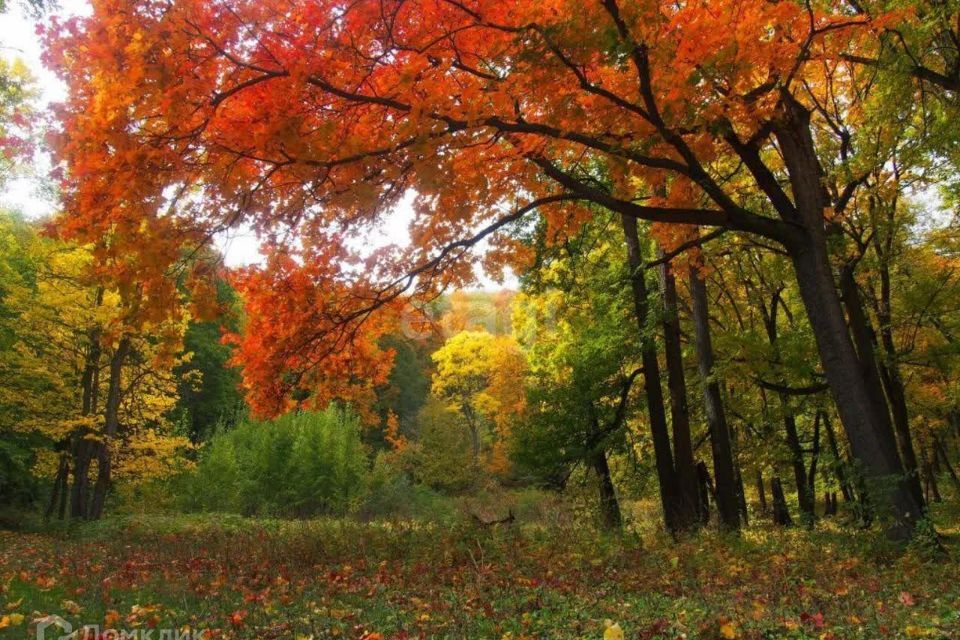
[{"x": 296, "y": 465}]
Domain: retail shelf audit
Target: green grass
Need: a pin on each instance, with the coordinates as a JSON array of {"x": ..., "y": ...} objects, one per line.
[{"x": 329, "y": 578}]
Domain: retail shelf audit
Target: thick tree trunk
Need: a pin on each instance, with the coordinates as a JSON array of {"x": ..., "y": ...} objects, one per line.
[
  {"x": 110, "y": 426},
  {"x": 723, "y": 467},
  {"x": 871, "y": 440},
  {"x": 686, "y": 468},
  {"x": 666, "y": 472},
  {"x": 610, "y": 515}
]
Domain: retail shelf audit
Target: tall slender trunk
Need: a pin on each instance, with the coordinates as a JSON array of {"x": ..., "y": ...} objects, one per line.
[
  {"x": 930, "y": 478},
  {"x": 804, "y": 498},
  {"x": 685, "y": 465},
  {"x": 666, "y": 473},
  {"x": 814, "y": 460},
  {"x": 723, "y": 468},
  {"x": 110, "y": 426}
]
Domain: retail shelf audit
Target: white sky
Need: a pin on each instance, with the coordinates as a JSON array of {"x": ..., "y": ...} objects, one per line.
[{"x": 26, "y": 193}]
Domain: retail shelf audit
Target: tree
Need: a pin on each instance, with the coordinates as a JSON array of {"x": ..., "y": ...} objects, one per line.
[
  {"x": 573, "y": 321},
  {"x": 309, "y": 121},
  {"x": 479, "y": 375},
  {"x": 89, "y": 389}
]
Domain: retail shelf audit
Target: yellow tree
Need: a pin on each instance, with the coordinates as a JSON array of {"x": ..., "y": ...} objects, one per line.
[
  {"x": 481, "y": 376},
  {"x": 83, "y": 373}
]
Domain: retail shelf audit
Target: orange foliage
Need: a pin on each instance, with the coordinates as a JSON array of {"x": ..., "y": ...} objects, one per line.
[{"x": 309, "y": 120}]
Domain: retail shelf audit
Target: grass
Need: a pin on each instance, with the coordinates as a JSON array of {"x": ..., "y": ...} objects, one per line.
[{"x": 241, "y": 578}]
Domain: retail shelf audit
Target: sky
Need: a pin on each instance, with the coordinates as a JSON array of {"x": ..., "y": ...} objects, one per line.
[{"x": 25, "y": 193}]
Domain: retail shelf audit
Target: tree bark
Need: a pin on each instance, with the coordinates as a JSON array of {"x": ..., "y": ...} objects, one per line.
[
  {"x": 723, "y": 467},
  {"x": 666, "y": 472},
  {"x": 110, "y": 426},
  {"x": 804, "y": 498},
  {"x": 781, "y": 514},
  {"x": 864, "y": 338},
  {"x": 871, "y": 439},
  {"x": 610, "y": 515},
  {"x": 761, "y": 492},
  {"x": 686, "y": 469},
  {"x": 58, "y": 495}
]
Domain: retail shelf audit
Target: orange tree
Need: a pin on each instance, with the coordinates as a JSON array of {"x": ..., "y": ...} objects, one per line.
[{"x": 309, "y": 120}]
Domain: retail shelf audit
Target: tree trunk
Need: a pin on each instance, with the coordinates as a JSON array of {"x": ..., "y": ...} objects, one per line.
[
  {"x": 880, "y": 387},
  {"x": 83, "y": 453},
  {"x": 723, "y": 468},
  {"x": 871, "y": 440},
  {"x": 609, "y": 505},
  {"x": 761, "y": 492},
  {"x": 811, "y": 489},
  {"x": 781, "y": 514},
  {"x": 58, "y": 495},
  {"x": 666, "y": 473},
  {"x": 686, "y": 469},
  {"x": 705, "y": 487},
  {"x": 933, "y": 489},
  {"x": 110, "y": 426},
  {"x": 804, "y": 498}
]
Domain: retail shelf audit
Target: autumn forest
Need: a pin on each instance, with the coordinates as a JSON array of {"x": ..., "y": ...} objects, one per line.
[{"x": 394, "y": 319}]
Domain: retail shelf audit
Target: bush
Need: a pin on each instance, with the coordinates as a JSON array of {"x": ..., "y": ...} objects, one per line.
[
  {"x": 443, "y": 458},
  {"x": 392, "y": 495},
  {"x": 297, "y": 465}
]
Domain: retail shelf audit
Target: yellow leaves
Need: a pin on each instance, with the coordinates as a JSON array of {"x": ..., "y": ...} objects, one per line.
[
  {"x": 913, "y": 631},
  {"x": 728, "y": 630},
  {"x": 612, "y": 630},
  {"x": 11, "y": 620}
]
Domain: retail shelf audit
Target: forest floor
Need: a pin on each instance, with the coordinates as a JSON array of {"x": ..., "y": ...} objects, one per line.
[{"x": 237, "y": 578}]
